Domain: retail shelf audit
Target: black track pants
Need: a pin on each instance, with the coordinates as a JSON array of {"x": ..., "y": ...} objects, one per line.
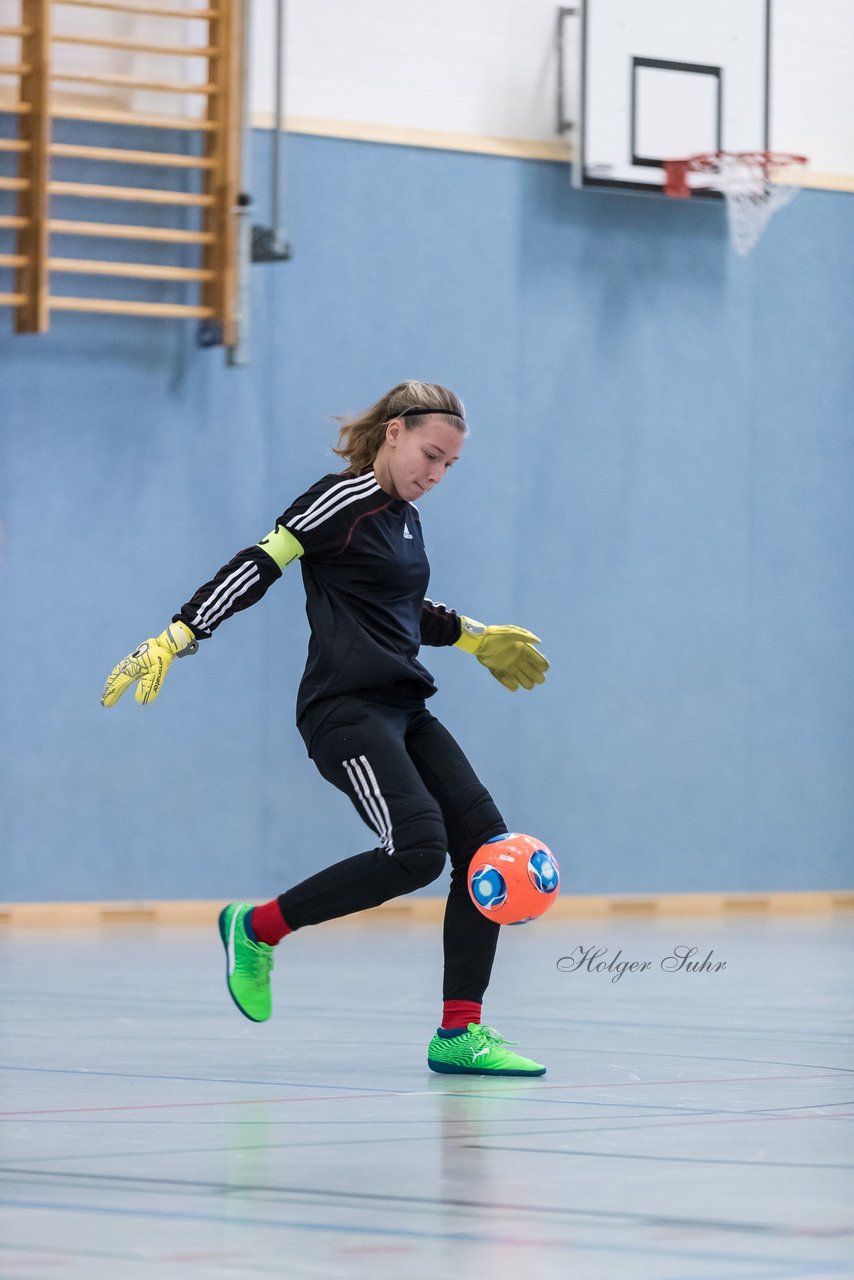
[{"x": 412, "y": 784}]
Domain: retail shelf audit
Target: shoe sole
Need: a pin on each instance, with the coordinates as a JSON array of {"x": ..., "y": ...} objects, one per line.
[
  {"x": 447, "y": 1069},
  {"x": 237, "y": 1004}
]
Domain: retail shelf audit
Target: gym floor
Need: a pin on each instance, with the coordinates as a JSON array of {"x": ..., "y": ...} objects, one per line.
[{"x": 692, "y": 1124}]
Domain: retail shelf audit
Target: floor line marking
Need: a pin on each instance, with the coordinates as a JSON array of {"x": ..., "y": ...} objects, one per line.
[
  {"x": 355, "y": 1097},
  {"x": 537, "y": 1242}
]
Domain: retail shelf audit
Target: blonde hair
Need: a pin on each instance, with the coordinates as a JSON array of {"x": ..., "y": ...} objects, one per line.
[{"x": 360, "y": 438}]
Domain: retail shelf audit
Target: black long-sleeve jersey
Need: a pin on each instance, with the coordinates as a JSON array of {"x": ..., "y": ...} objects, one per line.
[{"x": 365, "y": 572}]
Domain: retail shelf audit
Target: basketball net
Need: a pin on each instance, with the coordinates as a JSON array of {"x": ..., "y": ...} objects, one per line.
[{"x": 752, "y": 183}]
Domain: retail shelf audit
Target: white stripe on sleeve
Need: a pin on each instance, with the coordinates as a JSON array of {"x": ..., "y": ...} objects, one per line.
[
  {"x": 233, "y": 598},
  {"x": 332, "y": 502},
  {"x": 210, "y": 609}
]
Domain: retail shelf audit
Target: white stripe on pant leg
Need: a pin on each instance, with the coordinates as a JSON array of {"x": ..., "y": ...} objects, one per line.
[
  {"x": 374, "y": 785},
  {"x": 376, "y": 818},
  {"x": 372, "y": 794}
]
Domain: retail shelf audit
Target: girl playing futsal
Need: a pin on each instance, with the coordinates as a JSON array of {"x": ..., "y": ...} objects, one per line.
[{"x": 361, "y": 706}]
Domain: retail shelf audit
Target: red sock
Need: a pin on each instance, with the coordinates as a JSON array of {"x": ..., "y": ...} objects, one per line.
[
  {"x": 269, "y": 924},
  {"x": 459, "y": 1013}
]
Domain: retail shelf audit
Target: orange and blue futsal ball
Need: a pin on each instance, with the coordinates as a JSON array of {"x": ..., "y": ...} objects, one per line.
[{"x": 513, "y": 879}]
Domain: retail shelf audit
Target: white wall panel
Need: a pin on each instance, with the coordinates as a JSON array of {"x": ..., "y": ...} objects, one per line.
[
  {"x": 472, "y": 67},
  {"x": 488, "y": 67},
  {"x": 464, "y": 70},
  {"x": 812, "y": 82}
]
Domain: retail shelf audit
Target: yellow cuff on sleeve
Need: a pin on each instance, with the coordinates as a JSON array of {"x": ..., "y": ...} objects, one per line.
[
  {"x": 178, "y": 638},
  {"x": 471, "y": 635},
  {"x": 281, "y": 546}
]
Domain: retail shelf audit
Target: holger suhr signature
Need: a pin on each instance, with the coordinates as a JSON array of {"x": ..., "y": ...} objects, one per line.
[{"x": 680, "y": 960}]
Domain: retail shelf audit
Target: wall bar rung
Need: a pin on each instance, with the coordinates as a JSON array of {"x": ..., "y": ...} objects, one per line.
[
  {"x": 137, "y": 46},
  {"x": 130, "y": 270},
  {"x": 41, "y": 92},
  {"x": 122, "y": 231},
  {"x": 168, "y": 159},
  {"x": 117, "y": 7},
  {"x": 141, "y": 195},
  {"x": 99, "y": 115},
  {"x": 126, "y": 307},
  {"x": 130, "y": 82}
]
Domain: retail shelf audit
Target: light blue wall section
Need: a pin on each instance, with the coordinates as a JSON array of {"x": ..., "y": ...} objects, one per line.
[{"x": 659, "y": 482}]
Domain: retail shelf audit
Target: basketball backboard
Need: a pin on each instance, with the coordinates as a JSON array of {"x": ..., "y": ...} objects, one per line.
[{"x": 661, "y": 79}]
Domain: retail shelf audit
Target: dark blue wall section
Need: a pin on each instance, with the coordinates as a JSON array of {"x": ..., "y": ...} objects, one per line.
[{"x": 659, "y": 482}]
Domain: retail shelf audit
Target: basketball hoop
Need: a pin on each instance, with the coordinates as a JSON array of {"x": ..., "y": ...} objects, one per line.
[{"x": 750, "y": 182}]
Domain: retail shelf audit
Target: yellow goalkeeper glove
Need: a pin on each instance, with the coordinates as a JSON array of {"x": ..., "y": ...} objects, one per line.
[
  {"x": 148, "y": 664},
  {"x": 508, "y": 652}
]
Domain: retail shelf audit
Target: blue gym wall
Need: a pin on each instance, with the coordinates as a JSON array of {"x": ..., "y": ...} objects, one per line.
[{"x": 659, "y": 482}]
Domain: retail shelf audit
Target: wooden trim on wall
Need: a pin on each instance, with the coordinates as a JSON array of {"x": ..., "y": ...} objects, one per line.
[
  {"x": 414, "y": 910},
  {"x": 362, "y": 131},
  {"x": 558, "y": 150}
]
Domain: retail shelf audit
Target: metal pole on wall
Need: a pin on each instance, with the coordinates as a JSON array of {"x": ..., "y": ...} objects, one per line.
[
  {"x": 564, "y": 123},
  {"x": 270, "y": 244},
  {"x": 258, "y": 243},
  {"x": 238, "y": 353}
]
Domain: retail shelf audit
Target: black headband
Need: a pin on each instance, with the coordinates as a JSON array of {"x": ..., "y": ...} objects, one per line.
[{"x": 418, "y": 412}]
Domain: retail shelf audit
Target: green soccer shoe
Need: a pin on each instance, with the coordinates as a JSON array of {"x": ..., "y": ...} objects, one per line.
[
  {"x": 479, "y": 1051},
  {"x": 248, "y": 964}
]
